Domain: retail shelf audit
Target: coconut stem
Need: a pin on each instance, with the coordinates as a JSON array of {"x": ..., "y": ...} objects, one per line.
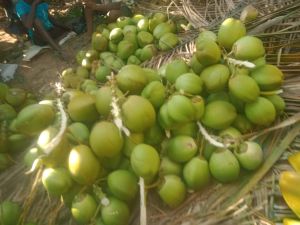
[
  {"x": 236, "y": 62},
  {"x": 267, "y": 93},
  {"x": 210, "y": 138},
  {"x": 63, "y": 126},
  {"x": 116, "y": 111},
  {"x": 143, "y": 209}
]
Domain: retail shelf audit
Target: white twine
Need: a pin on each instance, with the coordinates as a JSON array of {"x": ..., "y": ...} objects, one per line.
[
  {"x": 143, "y": 209},
  {"x": 210, "y": 138}
]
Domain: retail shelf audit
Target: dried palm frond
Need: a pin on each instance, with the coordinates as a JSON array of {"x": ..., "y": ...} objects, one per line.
[{"x": 255, "y": 199}]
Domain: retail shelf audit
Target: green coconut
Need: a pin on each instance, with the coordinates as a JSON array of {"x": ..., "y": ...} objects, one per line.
[
  {"x": 56, "y": 180},
  {"x": 244, "y": 88},
  {"x": 222, "y": 96},
  {"x": 242, "y": 123},
  {"x": 106, "y": 33},
  {"x": 176, "y": 68},
  {"x": 133, "y": 60},
  {"x": 153, "y": 23},
  {"x": 131, "y": 37},
  {"x": 129, "y": 29},
  {"x": 7, "y": 112},
  {"x": 138, "y": 119},
  {"x": 116, "y": 212},
  {"x": 106, "y": 139},
  {"x": 162, "y": 29},
  {"x": 196, "y": 173},
  {"x": 172, "y": 190},
  {"x": 208, "y": 52},
  {"x": 186, "y": 129},
  {"x": 196, "y": 66},
  {"x": 137, "y": 17},
  {"x": 103, "y": 100},
  {"x": 155, "y": 92},
  {"x": 168, "y": 41},
  {"x": 238, "y": 104},
  {"x": 145, "y": 161},
  {"x": 206, "y": 34},
  {"x": 230, "y": 31},
  {"x": 110, "y": 163},
  {"x": 268, "y": 77},
  {"x": 180, "y": 109},
  {"x": 82, "y": 72},
  {"x": 34, "y": 118},
  {"x": 151, "y": 74},
  {"x": 116, "y": 35},
  {"x": 92, "y": 55},
  {"x": 168, "y": 167},
  {"x": 78, "y": 133},
  {"x": 260, "y": 112},
  {"x": 83, "y": 208},
  {"x": 143, "y": 24},
  {"x": 80, "y": 56},
  {"x": 224, "y": 166},
  {"x": 189, "y": 83},
  {"x": 144, "y": 38},
  {"x": 154, "y": 135},
  {"x": 278, "y": 103},
  {"x": 123, "y": 185},
  {"x": 31, "y": 155},
  {"x": 199, "y": 106},
  {"x": 248, "y": 48},
  {"x": 258, "y": 62},
  {"x": 82, "y": 108},
  {"x": 131, "y": 79},
  {"x": 181, "y": 148},
  {"x": 15, "y": 96},
  {"x": 131, "y": 141},
  {"x": 148, "y": 52},
  {"x": 59, "y": 152},
  {"x": 102, "y": 73},
  {"x": 86, "y": 83},
  {"x": 124, "y": 21},
  {"x": 83, "y": 165},
  {"x": 125, "y": 49},
  {"x": 215, "y": 78},
  {"x": 164, "y": 118},
  {"x": 219, "y": 115},
  {"x": 112, "y": 47},
  {"x": 99, "y": 42},
  {"x": 117, "y": 64}
]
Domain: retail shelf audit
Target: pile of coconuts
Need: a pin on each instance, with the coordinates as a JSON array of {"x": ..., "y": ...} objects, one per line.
[
  {"x": 176, "y": 129},
  {"x": 125, "y": 42},
  {"x": 13, "y": 141}
]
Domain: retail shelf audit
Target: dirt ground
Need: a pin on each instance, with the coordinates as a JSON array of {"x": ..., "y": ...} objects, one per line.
[{"x": 42, "y": 72}]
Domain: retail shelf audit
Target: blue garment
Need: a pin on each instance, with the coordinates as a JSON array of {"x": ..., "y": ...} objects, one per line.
[{"x": 41, "y": 13}]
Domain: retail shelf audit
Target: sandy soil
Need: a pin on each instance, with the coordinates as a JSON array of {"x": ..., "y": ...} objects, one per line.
[{"x": 40, "y": 74}]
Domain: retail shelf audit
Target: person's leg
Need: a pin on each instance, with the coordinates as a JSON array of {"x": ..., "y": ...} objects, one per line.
[
  {"x": 88, "y": 13},
  {"x": 41, "y": 36}
]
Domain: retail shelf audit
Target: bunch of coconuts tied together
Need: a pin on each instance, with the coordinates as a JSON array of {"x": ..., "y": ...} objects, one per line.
[
  {"x": 143, "y": 124},
  {"x": 128, "y": 41}
]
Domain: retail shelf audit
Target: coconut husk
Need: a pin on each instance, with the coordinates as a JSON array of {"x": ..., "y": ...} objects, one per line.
[{"x": 255, "y": 198}]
